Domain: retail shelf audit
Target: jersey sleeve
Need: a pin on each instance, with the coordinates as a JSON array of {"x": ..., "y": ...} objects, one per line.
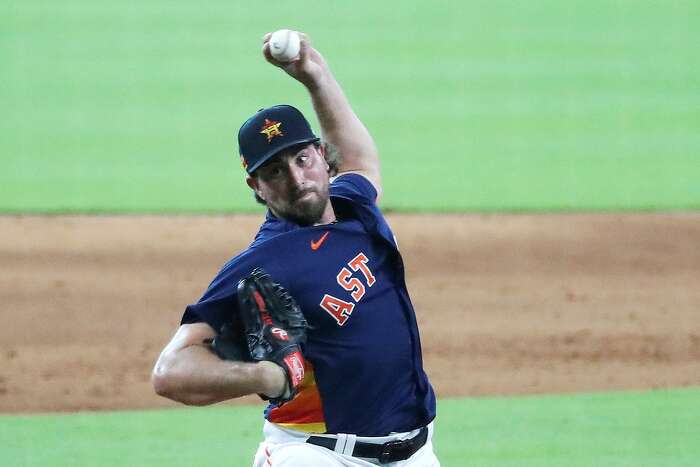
[
  {"x": 218, "y": 304},
  {"x": 355, "y": 187}
]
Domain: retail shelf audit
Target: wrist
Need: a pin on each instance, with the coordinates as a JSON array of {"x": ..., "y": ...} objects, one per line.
[
  {"x": 273, "y": 379},
  {"x": 315, "y": 83},
  {"x": 312, "y": 85}
]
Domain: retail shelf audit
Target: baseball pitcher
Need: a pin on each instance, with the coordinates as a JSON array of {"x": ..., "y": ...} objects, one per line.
[{"x": 314, "y": 316}]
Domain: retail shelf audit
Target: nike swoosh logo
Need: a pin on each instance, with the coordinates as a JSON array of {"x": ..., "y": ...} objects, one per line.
[{"x": 317, "y": 244}]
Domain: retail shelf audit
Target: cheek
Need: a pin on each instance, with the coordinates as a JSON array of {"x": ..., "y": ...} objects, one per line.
[
  {"x": 264, "y": 192},
  {"x": 271, "y": 195},
  {"x": 320, "y": 173}
]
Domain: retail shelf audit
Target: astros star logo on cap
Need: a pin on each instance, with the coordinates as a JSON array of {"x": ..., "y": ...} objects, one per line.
[{"x": 271, "y": 129}]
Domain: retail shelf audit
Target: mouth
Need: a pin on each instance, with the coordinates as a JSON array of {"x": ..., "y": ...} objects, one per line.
[{"x": 301, "y": 195}]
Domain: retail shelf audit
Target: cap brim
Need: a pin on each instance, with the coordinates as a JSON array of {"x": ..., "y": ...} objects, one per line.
[{"x": 273, "y": 152}]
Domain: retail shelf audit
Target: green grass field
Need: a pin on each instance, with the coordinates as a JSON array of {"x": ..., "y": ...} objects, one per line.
[
  {"x": 480, "y": 106},
  {"x": 655, "y": 428}
]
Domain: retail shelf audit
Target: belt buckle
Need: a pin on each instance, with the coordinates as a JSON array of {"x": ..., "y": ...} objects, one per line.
[{"x": 395, "y": 451}]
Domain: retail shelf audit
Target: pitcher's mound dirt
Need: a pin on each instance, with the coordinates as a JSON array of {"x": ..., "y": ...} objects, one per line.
[{"x": 507, "y": 304}]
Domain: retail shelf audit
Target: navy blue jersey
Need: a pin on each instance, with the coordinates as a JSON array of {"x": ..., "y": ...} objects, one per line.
[{"x": 364, "y": 372}]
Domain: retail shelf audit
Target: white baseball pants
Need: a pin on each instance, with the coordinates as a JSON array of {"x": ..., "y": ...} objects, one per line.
[{"x": 288, "y": 448}]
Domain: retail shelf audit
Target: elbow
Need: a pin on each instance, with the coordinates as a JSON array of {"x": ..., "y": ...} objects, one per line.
[
  {"x": 167, "y": 382},
  {"x": 163, "y": 381}
]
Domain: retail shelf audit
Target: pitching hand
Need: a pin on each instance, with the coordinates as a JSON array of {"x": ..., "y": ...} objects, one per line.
[{"x": 309, "y": 68}]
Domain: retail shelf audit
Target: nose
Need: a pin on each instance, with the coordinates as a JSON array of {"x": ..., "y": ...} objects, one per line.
[{"x": 296, "y": 175}]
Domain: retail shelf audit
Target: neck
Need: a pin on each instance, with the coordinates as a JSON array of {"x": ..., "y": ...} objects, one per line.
[{"x": 328, "y": 215}]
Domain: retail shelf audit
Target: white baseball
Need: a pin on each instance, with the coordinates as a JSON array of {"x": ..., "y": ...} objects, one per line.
[{"x": 284, "y": 45}]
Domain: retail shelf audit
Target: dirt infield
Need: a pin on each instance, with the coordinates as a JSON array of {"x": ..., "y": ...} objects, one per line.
[{"x": 507, "y": 304}]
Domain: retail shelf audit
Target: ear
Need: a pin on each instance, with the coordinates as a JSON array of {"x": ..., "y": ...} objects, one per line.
[
  {"x": 322, "y": 151},
  {"x": 252, "y": 182}
]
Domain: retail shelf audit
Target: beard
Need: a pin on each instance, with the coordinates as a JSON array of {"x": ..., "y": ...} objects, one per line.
[{"x": 304, "y": 210}]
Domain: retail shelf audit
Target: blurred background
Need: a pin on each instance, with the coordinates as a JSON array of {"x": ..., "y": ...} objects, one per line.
[{"x": 505, "y": 105}]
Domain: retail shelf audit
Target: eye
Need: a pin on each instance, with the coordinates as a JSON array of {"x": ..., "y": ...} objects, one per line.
[
  {"x": 302, "y": 158},
  {"x": 272, "y": 171}
]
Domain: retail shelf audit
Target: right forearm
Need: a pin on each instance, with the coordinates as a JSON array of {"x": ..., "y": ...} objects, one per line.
[
  {"x": 195, "y": 376},
  {"x": 340, "y": 125}
]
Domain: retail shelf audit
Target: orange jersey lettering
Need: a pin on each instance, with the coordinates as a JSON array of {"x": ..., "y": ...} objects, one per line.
[
  {"x": 359, "y": 263},
  {"x": 351, "y": 284},
  {"x": 339, "y": 309}
]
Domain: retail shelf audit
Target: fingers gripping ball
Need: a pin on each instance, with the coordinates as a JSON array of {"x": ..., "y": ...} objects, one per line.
[
  {"x": 285, "y": 45},
  {"x": 275, "y": 327}
]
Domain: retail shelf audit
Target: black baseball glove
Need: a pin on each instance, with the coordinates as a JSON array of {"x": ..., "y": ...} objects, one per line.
[
  {"x": 269, "y": 326},
  {"x": 230, "y": 343}
]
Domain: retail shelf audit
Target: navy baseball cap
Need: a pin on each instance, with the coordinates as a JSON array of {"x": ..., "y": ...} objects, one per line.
[{"x": 270, "y": 131}]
